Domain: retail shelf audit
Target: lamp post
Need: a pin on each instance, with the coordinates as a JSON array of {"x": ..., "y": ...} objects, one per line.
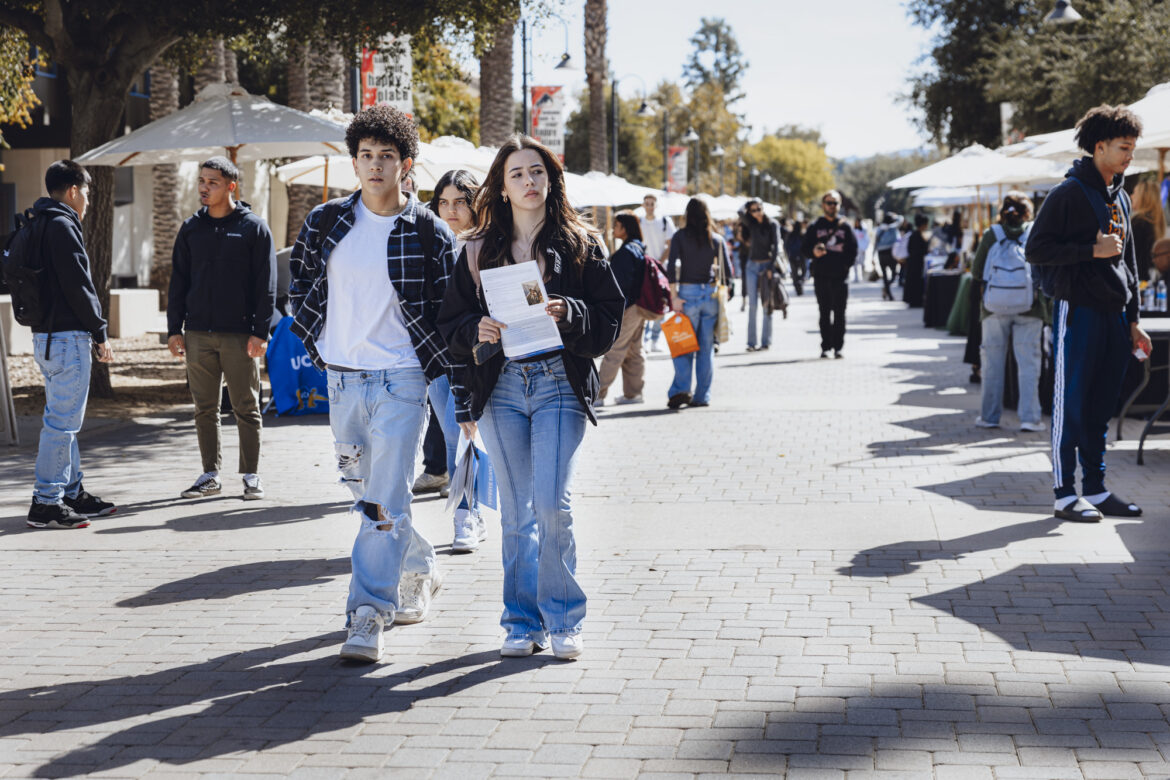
[
  {"x": 566, "y": 63},
  {"x": 719, "y": 154},
  {"x": 643, "y": 111},
  {"x": 739, "y": 166},
  {"x": 692, "y": 137},
  {"x": 755, "y": 190},
  {"x": 1063, "y": 13}
]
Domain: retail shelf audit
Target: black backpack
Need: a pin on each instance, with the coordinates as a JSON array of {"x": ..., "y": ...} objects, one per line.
[{"x": 25, "y": 273}]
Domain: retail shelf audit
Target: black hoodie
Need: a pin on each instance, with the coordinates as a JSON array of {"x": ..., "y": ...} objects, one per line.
[
  {"x": 73, "y": 298},
  {"x": 1063, "y": 236},
  {"x": 223, "y": 278}
]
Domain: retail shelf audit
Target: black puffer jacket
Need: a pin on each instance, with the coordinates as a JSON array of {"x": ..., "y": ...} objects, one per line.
[
  {"x": 224, "y": 275},
  {"x": 591, "y": 325}
]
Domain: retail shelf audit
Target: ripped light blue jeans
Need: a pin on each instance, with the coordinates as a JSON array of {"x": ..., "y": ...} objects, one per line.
[
  {"x": 377, "y": 419},
  {"x": 532, "y": 427}
]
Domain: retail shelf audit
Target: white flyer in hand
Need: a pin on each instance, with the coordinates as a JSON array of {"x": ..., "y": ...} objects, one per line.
[{"x": 516, "y": 296}]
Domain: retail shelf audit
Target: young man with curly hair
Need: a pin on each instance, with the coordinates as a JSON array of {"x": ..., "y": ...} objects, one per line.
[
  {"x": 1082, "y": 246},
  {"x": 368, "y": 274}
]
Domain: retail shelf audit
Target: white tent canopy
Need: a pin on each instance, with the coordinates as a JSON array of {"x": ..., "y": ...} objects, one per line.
[
  {"x": 979, "y": 166},
  {"x": 1154, "y": 111},
  {"x": 223, "y": 120}
]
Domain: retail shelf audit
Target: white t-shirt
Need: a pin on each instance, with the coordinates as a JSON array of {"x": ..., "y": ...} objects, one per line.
[
  {"x": 364, "y": 327},
  {"x": 655, "y": 233}
]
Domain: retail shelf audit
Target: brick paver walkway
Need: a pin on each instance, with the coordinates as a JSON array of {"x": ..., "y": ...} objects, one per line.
[{"x": 828, "y": 573}]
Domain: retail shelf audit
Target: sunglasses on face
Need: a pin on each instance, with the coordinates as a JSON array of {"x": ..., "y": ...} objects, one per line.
[
  {"x": 753, "y": 211},
  {"x": 832, "y": 202}
]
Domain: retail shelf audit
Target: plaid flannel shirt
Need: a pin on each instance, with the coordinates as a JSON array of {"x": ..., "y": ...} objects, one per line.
[{"x": 419, "y": 280}]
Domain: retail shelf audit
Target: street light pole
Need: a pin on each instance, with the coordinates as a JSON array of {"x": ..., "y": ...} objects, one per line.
[
  {"x": 755, "y": 181},
  {"x": 613, "y": 112},
  {"x": 525, "y": 125},
  {"x": 693, "y": 138},
  {"x": 721, "y": 155},
  {"x": 739, "y": 166}
]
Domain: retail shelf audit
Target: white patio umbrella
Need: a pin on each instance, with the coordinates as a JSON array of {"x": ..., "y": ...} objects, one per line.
[
  {"x": 223, "y": 120},
  {"x": 978, "y": 166},
  {"x": 1154, "y": 111}
]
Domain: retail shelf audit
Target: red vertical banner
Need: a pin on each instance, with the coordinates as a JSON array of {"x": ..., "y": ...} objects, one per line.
[
  {"x": 677, "y": 169},
  {"x": 548, "y": 118},
  {"x": 387, "y": 74}
]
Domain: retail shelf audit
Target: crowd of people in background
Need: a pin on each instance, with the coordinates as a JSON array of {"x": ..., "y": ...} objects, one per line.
[{"x": 387, "y": 297}]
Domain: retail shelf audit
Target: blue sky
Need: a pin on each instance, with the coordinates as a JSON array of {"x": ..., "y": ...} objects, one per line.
[{"x": 836, "y": 65}]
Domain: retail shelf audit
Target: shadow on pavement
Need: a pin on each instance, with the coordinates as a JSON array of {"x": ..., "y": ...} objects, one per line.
[
  {"x": 1000, "y": 491},
  {"x": 895, "y": 560},
  {"x": 243, "y": 578},
  {"x": 234, "y": 519},
  {"x": 252, "y": 701}
]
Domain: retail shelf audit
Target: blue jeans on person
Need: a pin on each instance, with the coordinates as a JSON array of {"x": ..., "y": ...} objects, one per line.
[
  {"x": 532, "y": 427},
  {"x": 441, "y": 399},
  {"x": 377, "y": 419},
  {"x": 752, "y": 272},
  {"x": 66, "y": 371},
  {"x": 1025, "y": 334},
  {"x": 701, "y": 308}
]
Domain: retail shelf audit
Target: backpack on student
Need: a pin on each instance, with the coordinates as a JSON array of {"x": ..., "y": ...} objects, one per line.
[
  {"x": 901, "y": 249},
  {"x": 1007, "y": 276},
  {"x": 1046, "y": 274},
  {"x": 654, "y": 299},
  {"x": 24, "y": 271}
]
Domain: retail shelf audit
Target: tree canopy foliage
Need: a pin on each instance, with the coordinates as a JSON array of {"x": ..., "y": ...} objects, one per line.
[
  {"x": 16, "y": 77},
  {"x": 715, "y": 59},
  {"x": 992, "y": 51},
  {"x": 864, "y": 181},
  {"x": 796, "y": 162}
]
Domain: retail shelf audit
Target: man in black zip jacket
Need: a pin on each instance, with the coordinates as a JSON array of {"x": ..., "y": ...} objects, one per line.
[
  {"x": 832, "y": 245},
  {"x": 1084, "y": 252},
  {"x": 65, "y": 344},
  {"x": 223, "y": 292}
]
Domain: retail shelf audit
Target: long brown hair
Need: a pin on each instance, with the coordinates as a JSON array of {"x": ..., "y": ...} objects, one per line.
[
  {"x": 1147, "y": 204},
  {"x": 699, "y": 224},
  {"x": 562, "y": 228}
]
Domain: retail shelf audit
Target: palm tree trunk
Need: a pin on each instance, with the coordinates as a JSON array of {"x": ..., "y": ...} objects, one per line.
[
  {"x": 231, "y": 66},
  {"x": 165, "y": 218},
  {"x": 211, "y": 69},
  {"x": 595, "y": 34},
  {"x": 497, "y": 118}
]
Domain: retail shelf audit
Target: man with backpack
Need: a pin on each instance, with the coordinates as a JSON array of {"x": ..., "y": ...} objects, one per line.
[
  {"x": 220, "y": 305},
  {"x": 1085, "y": 258},
  {"x": 1012, "y": 311},
  {"x": 368, "y": 276},
  {"x": 47, "y": 270},
  {"x": 657, "y": 231}
]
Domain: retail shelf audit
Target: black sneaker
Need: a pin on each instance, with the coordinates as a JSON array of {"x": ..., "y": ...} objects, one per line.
[
  {"x": 55, "y": 516},
  {"x": 90, "y": 505}
]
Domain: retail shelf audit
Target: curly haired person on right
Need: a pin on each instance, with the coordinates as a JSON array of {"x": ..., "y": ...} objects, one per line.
[{"x": 1082, "y": 245}]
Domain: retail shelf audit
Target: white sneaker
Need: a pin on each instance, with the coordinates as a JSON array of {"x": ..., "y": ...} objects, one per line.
[
  {"x": 253, "y": 490},
  {"x": 415, "y": 594},
  {"x": 622, "y": 400},
  {"x": 600, "y": 402},
  {"x": 981, "y": 423},
  {"x": 1033, "y": 427},
  {"x": 365, "y": 636},
  {"x": 429, "y": 483},
  {"x": 519, "y": 647},
  {"x": 470, "y": 530},
  {"x": 655, "y": 346},
  {"x": 567, "y": 646}
]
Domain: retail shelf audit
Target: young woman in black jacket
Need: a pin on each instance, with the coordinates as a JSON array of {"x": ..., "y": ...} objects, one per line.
[{"x": 532, "y": 412}]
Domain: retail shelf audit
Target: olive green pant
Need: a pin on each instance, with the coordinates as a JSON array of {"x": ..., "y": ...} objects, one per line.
[{"x": 211, "y": 359}]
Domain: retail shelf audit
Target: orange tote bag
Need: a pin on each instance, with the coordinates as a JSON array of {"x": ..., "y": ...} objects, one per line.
[{"x": 680, "y": 336}]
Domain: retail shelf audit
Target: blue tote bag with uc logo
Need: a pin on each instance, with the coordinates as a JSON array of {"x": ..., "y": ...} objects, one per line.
[{"x": 298, "y": 387}]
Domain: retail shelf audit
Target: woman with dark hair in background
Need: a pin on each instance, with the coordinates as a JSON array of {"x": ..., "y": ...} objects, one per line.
[
  {"x": 915, "y": 284},
  {"x": 629, "y": 268},
  {"x": 698, "y": 252},
  {"x": 762, "y": 235},
  {"x": 454, "y": 194},
  {"x": 533, "y": 410}
]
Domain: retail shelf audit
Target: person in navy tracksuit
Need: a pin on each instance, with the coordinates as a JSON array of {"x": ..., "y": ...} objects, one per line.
[{"x": 1084, "y": 252}]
